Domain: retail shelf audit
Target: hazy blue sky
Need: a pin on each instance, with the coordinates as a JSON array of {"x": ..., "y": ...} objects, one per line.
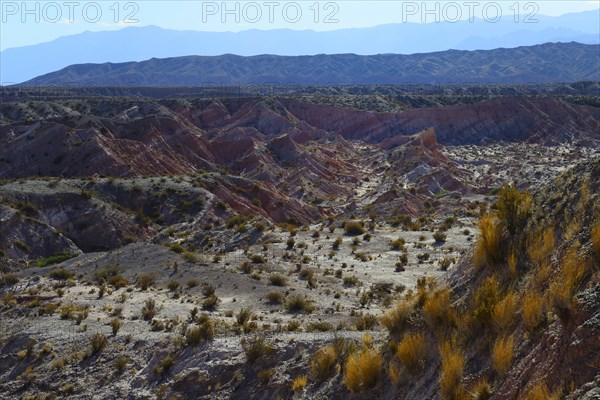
[{"x": 42, "y": 21}]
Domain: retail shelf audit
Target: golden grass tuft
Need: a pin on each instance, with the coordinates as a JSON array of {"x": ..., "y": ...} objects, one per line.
[
  {"x": 596, "y": 238},
  {"x": 514, "y": 207},
  {"x": 363, "y": 370},
  {"x": 532, "y": 311},
  {"x": 504, "y": 313},
  {"x": 541, "y": 246},
  {"x": 566, "y": 284},
  {"x": 394, "y": 373},
  {"x": 540, "y": 391},
  {"x": 488, "y": 249},
  {"x": 397, "y": 318},
  {"x": 437, "y": 310},
  {"x": 481, "y": 390},
  {"x": 412, "y": 351},
  {"x": 323, "y": 364},
  {"x": 485, "y": 299},
  {"x": 502, "y": 354},
  {"x": 453, "y": 365},
  {"x": 299, "y": 382}
]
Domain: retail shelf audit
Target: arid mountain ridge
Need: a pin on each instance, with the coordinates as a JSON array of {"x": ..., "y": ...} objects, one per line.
[{"x": 550, "y": 62}]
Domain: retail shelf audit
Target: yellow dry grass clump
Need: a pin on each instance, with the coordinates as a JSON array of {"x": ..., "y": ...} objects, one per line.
[
  {"x": 541, "y": 246},
  {"x": 323, "y": 364},
  {"x": 362, "y": 370},
  {"x": 532, "y": 310},
  {"x": 502, "y": 354},
  {"x": 453, "y": 365},
  {"x": 488, "y": 249},
  {"x": 299, "y": 382},
  {"x": 573, "y": 269},
  {"x": 514, "y": 207},
  {"x": 411, "y": 351},
  {"x": 540, "y": 391},
  {"x": 485, "y": 299},
  {"x": 596, "y": 238},
  {"x": 397, "y": 318},
  {"x": 437, "y": 310},
  {"x": 504, "y": 313}
]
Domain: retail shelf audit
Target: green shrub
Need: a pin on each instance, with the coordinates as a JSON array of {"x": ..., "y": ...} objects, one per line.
[{"x": 54, "y": 259}]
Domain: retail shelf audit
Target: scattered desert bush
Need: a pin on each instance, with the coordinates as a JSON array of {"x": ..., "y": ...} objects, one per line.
[
  {"x": 362, "y": 370},
  {"x": 117, "y": 281},
  {"x": 439, "y": 236},
  {"x": 397, "y": 244},
  {"x": 246, "y": 267},
  {"x": 351, "y": 280},
  {"x": 210, "y": 303},
  {"x": 149, "y": 310},
  {"x": 177, "y": 248},
  {"x": 98, "y": 342},
  {"x": 275, "y": 297},
  {"x": 244, "y": 315},
  {"x": 445, "y": 263},
  {"x": 205, "y": 331},
  {"x": 337, "y": 243},
  {"x": 299, "y": 303},
  {"x": 502, "y": 354},
  {"x": 412, "y": 351},
  {"x": 257, "y": 347},
  {"x": 120, "y": 364},
  {"x": 192, "y": 283},
  {"x": 165, "y": 365},
  {"x": 61, "y": 274},
  {"x": 354, "y": 228},
  {"x": 319, "y": 326},
  {"x": 115, "y": 324},
  {"x": 8, "y": 280},
  {"x": 67, "y": 311},
  {"x": 208, "y": 290},
  {"x": 173, "y": 286},
  {"x": 291, "y": 243},
  {"x": 452, "y": 368},
  {"x": 265, "y": 375},
  {"x": 277, "y": 280},
  {"x": 144, "y": 281},
  {"x": 365, "y": 322},
  {"x": 258, "y": 259}
]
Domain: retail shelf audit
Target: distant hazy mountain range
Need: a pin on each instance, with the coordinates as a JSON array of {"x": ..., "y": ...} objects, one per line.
[
  {"x": 142, "y": 43},
  {"x": 551, "y": 62}
]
